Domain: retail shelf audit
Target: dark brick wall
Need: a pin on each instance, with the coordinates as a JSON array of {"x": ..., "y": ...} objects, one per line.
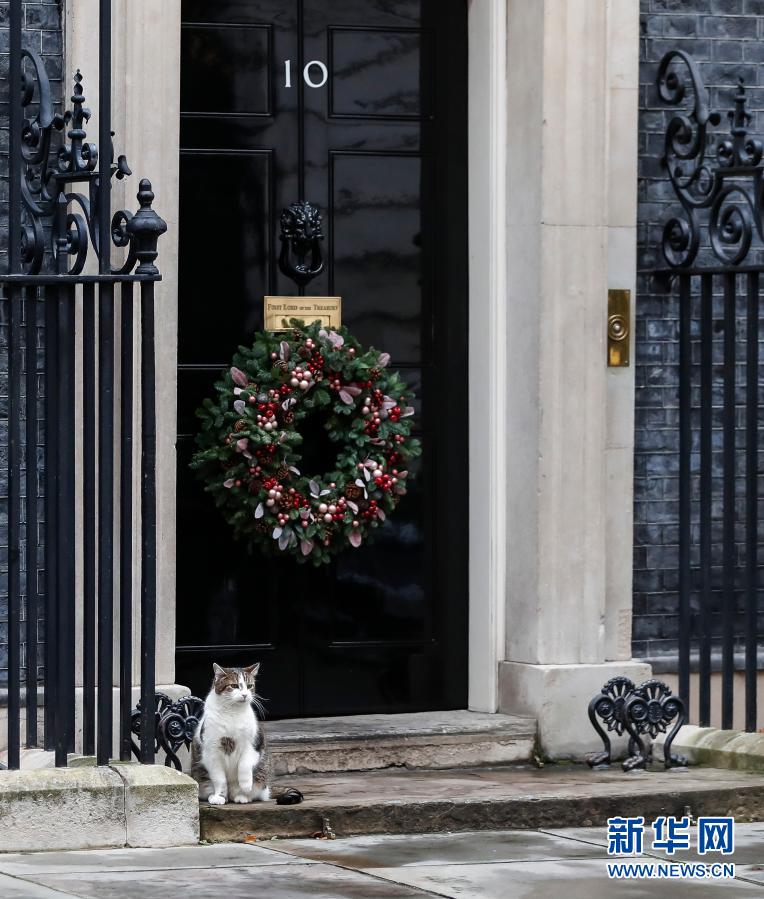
[
  {"x": 726, "y": 37},
  {"x": 42, "y": 32}
]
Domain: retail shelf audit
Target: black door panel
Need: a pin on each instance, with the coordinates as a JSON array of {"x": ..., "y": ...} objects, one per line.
[{"x": 380, "y": 147}]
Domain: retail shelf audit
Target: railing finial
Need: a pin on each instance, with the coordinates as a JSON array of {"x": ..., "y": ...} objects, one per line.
[
  {"x": 145, "y": 228},
  {"x": 48, "y": 174}
]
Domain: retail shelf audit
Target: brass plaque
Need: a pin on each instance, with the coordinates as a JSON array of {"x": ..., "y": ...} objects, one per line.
[
  {"x": 618, "y": 328},
  {"x": 278, "y": 310}
]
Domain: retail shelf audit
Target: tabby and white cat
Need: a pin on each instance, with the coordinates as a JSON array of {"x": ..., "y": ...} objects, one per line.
[{"x": 229, "y": 757}]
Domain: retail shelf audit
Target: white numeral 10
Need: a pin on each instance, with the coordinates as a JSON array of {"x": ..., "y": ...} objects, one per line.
[{"x": 306, "y": 73}]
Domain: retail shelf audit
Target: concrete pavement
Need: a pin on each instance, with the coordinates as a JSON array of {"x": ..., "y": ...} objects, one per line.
[{"x": 542, "y": 864}]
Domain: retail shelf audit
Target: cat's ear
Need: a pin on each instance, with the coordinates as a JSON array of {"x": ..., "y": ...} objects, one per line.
[
  {"x": 253, "y": 669},
  {"x": 218, "y": 671}
]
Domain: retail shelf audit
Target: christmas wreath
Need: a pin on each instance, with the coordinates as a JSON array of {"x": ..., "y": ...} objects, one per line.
[{"x": 250, "y": 441}]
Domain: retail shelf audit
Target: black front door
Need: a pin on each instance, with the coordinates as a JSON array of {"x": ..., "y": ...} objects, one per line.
[{"x": 359, "y": 107}]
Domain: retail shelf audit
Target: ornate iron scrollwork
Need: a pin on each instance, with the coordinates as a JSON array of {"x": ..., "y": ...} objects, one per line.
[
  {"x": 176, "y": 724},
  {"x": 301, "y": 235},
  {"x": 608, "y": 706},
  {"x": 732, "y": 190},
  {"x": 49, "y": 170},
  {"x": 646, "y": 710}
]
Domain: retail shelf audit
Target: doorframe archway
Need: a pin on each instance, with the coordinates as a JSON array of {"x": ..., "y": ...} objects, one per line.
[
  {"x": 160, "y": 41},
  {"x": 574, "y": 29},
  {"x": 487, "y": 155}
]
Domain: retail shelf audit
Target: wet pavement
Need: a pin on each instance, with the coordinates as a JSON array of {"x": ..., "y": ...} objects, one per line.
[{"x": 543, "y": 864}]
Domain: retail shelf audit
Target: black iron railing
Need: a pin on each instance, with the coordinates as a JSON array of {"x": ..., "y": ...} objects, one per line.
[
  {"x": 713, "y": 257},
  {"x": 60, "y": 191}
]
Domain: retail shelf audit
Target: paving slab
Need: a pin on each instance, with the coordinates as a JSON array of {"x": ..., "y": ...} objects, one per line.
[
  {"x": 12, "y": 888},
  {"x": 749, "y": 842},
  {"x": 511, "y": 797},
  {"x": 218, "y": 855},
  {"x": 569, "y": 863},
  {"x": 440, "y": 849},
  {"x": 273, "y": 882},
  {"x": 571, "y": 879},
  {"x": 754, "y": 873}
]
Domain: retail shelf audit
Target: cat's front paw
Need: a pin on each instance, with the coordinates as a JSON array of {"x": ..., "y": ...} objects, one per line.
[
  {"x": 216, "y": 799},
  {"x": 241, "y": 798}
]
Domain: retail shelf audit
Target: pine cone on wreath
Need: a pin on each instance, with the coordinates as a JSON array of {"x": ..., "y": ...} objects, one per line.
[
  {"x": 240, "y": 425},
  {"x": 353, "y": 492},
  {"x": 282, "y": 472},
  {"x": 287, "y": 417}
]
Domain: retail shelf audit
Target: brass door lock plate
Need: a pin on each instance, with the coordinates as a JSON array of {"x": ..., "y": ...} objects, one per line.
[{"x": 618, "y": 328}]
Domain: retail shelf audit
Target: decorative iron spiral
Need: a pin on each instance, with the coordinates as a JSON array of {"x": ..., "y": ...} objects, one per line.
[
  {"x": 175, "y": 725},
  {"x": 730, "y": 224},
  {"x": 686, "y": 135},
  {"x": 732, "y": 191},
  {"x": 648, "y": 709},
  {"x": 680, "y": 240}
]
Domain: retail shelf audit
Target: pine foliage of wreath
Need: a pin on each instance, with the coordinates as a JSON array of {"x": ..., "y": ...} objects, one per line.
[{"x": 249, "y": 443}]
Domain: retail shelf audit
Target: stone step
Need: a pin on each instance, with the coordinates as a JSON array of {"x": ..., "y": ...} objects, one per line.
[
  {"x": 419, "y": 740},
  {"x": 512, "y": 797}
]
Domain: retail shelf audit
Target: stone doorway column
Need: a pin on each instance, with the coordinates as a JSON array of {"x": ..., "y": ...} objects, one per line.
[
  {"x": 571, "y": 234},
  {"x": 146, "y": 120}
]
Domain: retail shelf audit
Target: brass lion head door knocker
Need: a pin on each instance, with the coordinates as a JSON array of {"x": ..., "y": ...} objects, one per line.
[{"x": 301, "y": 235}]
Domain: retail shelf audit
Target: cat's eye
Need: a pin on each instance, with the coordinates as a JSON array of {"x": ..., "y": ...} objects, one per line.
[{"x": 229, "y": 688}]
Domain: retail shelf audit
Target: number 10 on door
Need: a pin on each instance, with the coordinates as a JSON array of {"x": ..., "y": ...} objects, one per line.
[{"x": 308, "y": 73}]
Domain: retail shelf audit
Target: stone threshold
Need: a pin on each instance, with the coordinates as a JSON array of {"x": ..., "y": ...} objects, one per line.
[
  {"x": 446, "y": 739},
  {"x": 511, "y": 797}
]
